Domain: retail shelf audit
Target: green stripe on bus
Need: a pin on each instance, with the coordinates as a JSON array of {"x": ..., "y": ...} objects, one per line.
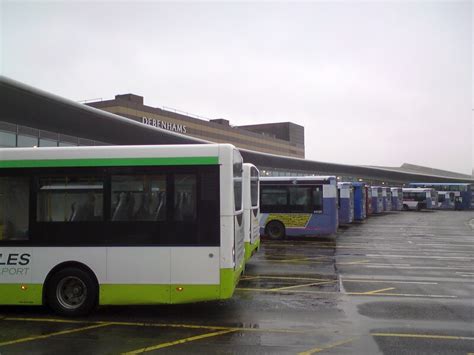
[{"x": 47, "y": 163}]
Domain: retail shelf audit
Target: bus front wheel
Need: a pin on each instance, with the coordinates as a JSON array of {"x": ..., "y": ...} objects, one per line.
[
  {"x": 405, "y": 207},
  {"x": 72, "y": 292},
  {"x": 275, "y": 230}
]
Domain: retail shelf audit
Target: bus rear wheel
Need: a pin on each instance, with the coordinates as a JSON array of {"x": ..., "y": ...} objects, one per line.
[
  {"x": 405, "y": 207},
  {"x": 72, "y": 292},
  {"x": 275, "y": 230}
]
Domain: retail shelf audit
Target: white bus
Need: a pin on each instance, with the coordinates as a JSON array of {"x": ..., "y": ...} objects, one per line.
[
  {"x": 87, "y": 226},
  {"x": 251, "y": 183},
  {"x": 416, "y": 198}
]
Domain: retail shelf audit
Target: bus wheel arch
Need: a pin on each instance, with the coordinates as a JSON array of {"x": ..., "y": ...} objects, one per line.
[
  {"x": 275, "y": 229},
  {"x": 71, "y": 289}
]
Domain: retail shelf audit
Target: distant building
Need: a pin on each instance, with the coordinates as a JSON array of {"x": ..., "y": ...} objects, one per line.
[{"x": 284, "y": 138}]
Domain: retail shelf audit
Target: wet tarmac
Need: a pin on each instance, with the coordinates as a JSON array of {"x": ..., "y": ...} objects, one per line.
[{"x": 399, "y": 283}]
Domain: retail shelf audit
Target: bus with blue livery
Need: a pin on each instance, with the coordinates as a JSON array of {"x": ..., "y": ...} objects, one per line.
[
  {"x": 251, "y": 183},
  {"x": 446, "y": 200},
  {"x": 298, "y": 206},
  {"x": 360, "y": 201},
  {"x": 397, "y": 198},
  {"x": 463, "y": 192},
  {"x": 387, "y": 199},
  {"x": 346, "y": 202},
  {"x": 377, "y": 199}
]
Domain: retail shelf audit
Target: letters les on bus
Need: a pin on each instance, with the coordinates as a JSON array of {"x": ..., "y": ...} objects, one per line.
[
  {"x": 165, "y": 125},
  {"x": 14, "y": 264}
]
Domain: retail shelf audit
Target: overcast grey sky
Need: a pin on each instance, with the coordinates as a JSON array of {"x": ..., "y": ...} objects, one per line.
[{"x": 376, "y": 83}]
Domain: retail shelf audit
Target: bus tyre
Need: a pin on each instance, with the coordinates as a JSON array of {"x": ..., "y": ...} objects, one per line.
[
  {"x": 72, "y": 292},
  {"x": 275, "y": 230},
  {"x": 405, "y": 207}
]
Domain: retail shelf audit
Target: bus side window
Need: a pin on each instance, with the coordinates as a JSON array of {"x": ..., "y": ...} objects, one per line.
[
  {"x": 138, "y": 198},
  {"x": 14, "y": 208},
  {"x": 317, "y": 199},
  {"x": 185, "y": 197},
  {"x": 70, "y": 199}
]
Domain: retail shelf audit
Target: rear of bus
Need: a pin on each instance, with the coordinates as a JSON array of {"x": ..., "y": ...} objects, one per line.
[
  {"x": 368, "y": 204},
  {"x": 397, "y": 199},
  {"x": 377, "y": 199},
  {"x": 251, "y": 181},
  {"x": 298, "y": 206},
  {"x": 387, "y": 199},
  {"x": 360, "y": 201},
  {"x": 346, "y": 202},
  {"x": 232, "y": 220}
]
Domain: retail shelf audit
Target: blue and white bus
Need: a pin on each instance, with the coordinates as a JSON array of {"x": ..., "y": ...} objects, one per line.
[
  {"x": 360, "y": 201},
  {"x": 377, "y": 199},
  {"x": 345, "y": 193},
  {"x": 251, "y": 183},
  {"x": 416, "y": 198},
  {"x": 297, "y": 206},
  {"x": 463, "y": 195},
  {"x": 446, "y": 200},
  {"x": 397, "y": 198},
  {"x": 387, "y": 199}
]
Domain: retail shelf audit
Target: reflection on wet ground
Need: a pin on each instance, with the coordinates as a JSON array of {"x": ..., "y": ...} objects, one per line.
[{"x": 400, "y": 283}]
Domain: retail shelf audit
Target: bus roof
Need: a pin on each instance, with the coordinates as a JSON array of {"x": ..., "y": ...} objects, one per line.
[
  {"x": 111, "y": 155},
  {"x": 438, "y": 183},
  {"x": 298, "y": 178}
]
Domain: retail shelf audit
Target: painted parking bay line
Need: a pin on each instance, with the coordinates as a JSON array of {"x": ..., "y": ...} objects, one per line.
[
  {"x": 303, "y": 285},
  {"x": 178, "y": 342},
  {"x": 414, "y": 295},
  {"x": 45, "y": 336},
  {"x": 327, "y": 347},
  {"x": 161, "y": 325},
  {"x": 379, "y": 291},
  {"x": 422, "y": 336}
]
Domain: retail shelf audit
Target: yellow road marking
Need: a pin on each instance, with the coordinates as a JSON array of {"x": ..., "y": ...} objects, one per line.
[
  {"x": 50, "y": 320},
  {"x": 355, "y": 262},
  {"x": 390, "y": 282},
  {"x": 351, "y": 293},
  {"x": 422, "y": 336},
  {"x": 330, "y": 346},
  {"x": 304, "y": 285},
  {"x": 177, "y": 342},
  {"x": 289, "y": 278},
  {"x": 378, "y": 291},
  {"x": 161, "y": 325},
  {"x": 38, "y": 337}
]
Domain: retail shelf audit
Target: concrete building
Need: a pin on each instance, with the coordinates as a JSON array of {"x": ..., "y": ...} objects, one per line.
[{"x": 285, "y": 138}]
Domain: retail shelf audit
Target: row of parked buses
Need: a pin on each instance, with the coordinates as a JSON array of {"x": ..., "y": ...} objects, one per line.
[
  {"x": 88, "y": 226},
  {"x": 317, "y": 205}
]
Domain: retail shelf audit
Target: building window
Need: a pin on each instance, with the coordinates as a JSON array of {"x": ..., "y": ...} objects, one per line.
[
  {"x": 27, "y": 141},
  {"x": 43, "y": 142},
  {"x": 7, "y": 139}
]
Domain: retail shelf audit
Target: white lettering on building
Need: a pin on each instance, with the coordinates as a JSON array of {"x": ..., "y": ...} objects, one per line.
[{"x": 165, "y": 125}]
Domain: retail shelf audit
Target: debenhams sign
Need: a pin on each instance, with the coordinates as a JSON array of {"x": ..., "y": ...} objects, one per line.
[{"x": 165, "y": 125}]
